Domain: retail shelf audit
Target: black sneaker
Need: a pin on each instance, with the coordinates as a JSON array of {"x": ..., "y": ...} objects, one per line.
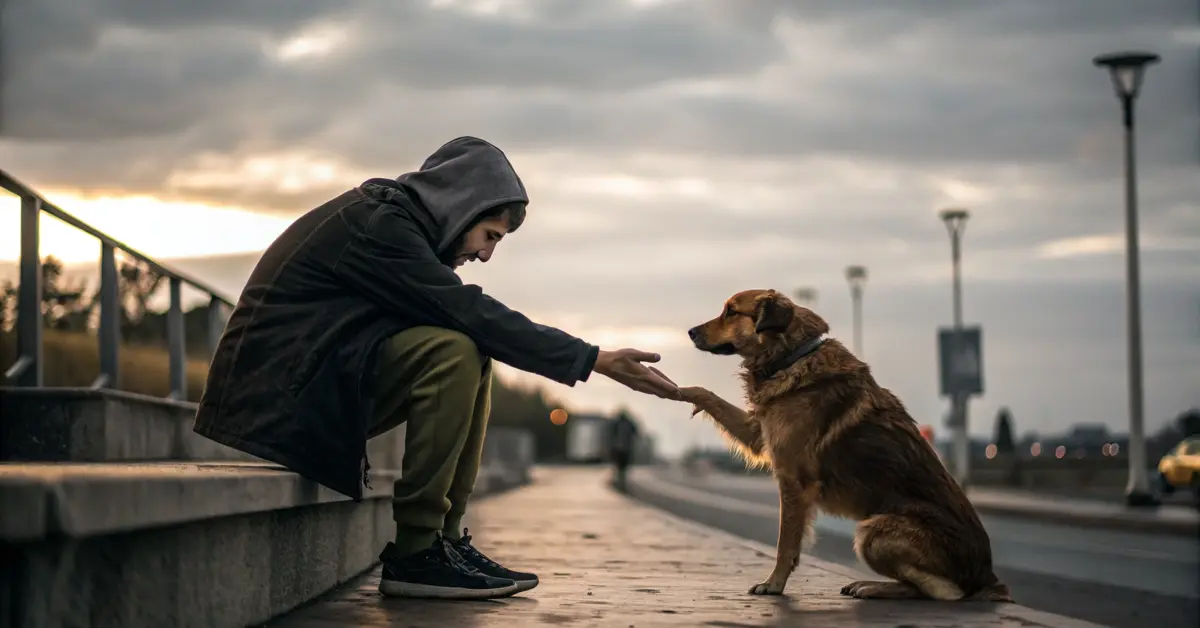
[
  {"x": 485, "y": 565},
  {"x": 438, "y": 572}
]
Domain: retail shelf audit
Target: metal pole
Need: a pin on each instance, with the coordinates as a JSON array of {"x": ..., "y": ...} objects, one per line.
[
  {"x": 216, "y": 324},
  {"x": 176, "y": 350},
  {"x": 1137, "y": 491},
  {"x": 856, "y": 293},
  {"x": 962, "y": 439},
  {"x": 110, "y": 320},
  {"x": 29, "y": 368}
]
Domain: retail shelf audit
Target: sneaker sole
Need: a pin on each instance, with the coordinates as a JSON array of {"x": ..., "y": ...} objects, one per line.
[
  {"x": 392, "y": 588},
  {"x": 525, "y": 585}
]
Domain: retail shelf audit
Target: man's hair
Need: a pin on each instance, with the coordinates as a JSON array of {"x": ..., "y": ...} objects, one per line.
[{"x": 513, "y": 212}]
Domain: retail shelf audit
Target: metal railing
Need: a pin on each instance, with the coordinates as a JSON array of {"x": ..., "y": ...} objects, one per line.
[{"x": 27, "y": 370}]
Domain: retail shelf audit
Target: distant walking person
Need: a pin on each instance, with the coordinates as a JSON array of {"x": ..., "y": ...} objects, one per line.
[
  {"x": 355, "y": 321},
  {"x": 622, "y": 441}
]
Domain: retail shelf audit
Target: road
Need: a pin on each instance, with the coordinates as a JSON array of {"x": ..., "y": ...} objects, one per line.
[{"x": 1113, "y": 578}]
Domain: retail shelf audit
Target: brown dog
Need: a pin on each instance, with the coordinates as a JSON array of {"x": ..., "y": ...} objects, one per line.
[{"x": 837, "y": 441}]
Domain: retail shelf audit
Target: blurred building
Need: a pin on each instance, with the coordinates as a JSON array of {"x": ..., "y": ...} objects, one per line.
[{"x": 588, "y": 437}]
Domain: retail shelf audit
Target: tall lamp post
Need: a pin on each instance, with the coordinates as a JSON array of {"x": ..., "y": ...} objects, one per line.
[
  {"x": 806, "y": 297},
  {"x": 857, "y": 278},
  {"x": 956, "y": 223},
  {"x": 1127, "y": 70}
]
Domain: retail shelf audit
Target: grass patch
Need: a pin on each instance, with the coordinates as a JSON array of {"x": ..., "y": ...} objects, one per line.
[{"x": 73, "y": 359}]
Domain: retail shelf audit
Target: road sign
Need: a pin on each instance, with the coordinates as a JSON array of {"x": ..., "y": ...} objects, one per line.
[{"x": 960, "y": 361}]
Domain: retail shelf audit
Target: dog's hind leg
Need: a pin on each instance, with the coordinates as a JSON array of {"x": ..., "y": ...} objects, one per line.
[
  {"x": 899, "y": 548},
  {"x": 876, "y": 590},
  {"x": 795, "y": 523}
]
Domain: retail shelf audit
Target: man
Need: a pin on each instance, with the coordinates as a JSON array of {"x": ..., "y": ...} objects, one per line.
[
  {"x": 354, "y": 321},
  {"x": 622, "y": 439}
]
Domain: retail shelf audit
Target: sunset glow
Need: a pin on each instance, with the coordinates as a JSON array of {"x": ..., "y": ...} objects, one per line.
[{"x": 157, "y": 228}]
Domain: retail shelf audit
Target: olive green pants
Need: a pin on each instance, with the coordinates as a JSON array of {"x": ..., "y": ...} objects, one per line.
[{"x": 436, "y": 382}]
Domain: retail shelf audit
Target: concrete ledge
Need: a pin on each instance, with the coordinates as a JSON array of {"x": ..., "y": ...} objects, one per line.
[
  {"x": 87, "y": 425},
  {"x": 76, "y": 500}
]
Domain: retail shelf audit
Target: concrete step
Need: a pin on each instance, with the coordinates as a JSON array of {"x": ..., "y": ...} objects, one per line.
[
  {"x": 182, "y": 544},
  {"x": 90, "y": 425}
]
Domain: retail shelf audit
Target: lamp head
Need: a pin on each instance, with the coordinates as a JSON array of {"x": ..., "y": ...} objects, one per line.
[
  {"x": 857, "y": 276},
  {"x": 1126, "y": 70},
  {"x": 955, "y": 219}
]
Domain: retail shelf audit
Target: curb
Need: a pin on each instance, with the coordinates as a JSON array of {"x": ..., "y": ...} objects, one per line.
[
  {"x": 1114, "y": 521},
  {"x": 1121, "y": 521}
]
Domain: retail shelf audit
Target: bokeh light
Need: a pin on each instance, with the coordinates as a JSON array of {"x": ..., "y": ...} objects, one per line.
[{"x": 558, "y": 416}]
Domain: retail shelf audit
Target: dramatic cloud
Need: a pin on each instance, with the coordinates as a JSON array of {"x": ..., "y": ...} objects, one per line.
[{"x": 675, "y": 150}]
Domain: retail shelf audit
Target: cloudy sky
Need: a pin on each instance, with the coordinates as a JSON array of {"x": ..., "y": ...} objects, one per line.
[{"x": 675, "y": 151}]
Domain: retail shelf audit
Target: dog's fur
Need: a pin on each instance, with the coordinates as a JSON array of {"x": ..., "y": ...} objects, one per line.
[{"x": 836, "y": 440}]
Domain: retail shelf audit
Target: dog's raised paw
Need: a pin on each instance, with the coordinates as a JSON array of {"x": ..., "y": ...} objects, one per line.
[{"x": 766, "y": 588}]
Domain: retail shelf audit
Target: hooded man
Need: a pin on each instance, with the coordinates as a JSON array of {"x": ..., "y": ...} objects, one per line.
[{"x": 354, "y": 321}]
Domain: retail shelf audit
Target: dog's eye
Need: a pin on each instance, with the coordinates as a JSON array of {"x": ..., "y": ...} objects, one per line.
[{"x": 729, "y": 311}]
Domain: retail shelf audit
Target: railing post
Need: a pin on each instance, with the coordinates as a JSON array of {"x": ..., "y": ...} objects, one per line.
[
  {"x": 216, "y": 323},
  {"x": 175, "y": 343},
  {"x": 110, "y": 319},
  {"x": 29, "y": 301}
]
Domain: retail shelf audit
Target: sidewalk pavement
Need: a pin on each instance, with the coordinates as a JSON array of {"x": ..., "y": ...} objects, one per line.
[
  {"x": 1166, "y": 519},
  {"x": 606, "y": 560}
]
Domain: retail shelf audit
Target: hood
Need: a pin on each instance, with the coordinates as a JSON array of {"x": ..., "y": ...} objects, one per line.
[{"x": 462, "y": 179}]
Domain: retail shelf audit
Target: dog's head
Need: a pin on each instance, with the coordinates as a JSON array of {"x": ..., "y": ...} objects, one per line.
[{"x": 757, "y": 322}]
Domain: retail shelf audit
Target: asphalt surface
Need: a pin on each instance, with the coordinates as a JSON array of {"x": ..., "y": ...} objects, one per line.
[{"x": 1113, "y": 578}]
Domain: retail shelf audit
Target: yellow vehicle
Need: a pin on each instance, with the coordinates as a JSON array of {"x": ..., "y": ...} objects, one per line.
[{"x": 1180, "y": 468}]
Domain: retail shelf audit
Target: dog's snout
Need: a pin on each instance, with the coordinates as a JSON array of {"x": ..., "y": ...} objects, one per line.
[{"x": 693, "y": 332}]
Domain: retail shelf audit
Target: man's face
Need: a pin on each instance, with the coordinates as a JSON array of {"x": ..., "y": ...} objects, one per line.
[{"x": 480, "y": 242}]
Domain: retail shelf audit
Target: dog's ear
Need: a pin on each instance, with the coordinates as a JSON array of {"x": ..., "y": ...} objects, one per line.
[{"x": 770, "y": 314}]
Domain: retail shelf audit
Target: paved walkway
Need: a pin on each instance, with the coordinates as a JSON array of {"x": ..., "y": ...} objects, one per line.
[{"x": 606, "y": 560}]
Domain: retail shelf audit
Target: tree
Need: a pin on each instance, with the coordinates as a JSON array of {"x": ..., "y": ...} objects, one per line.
[
  {"x": 1189, "y": 422},
  {"x": 8, "y": 306},
  {"x": 65, "y": 302},
  {"x": 1005, "y": 444}
]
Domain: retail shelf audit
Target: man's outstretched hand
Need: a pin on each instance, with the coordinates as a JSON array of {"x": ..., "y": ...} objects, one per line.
[{"x": 625, "y": 366}]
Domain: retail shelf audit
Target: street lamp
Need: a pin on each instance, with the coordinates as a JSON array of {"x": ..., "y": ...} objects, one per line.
[
  {"x": 857, "y": 277},
  {"x": 1127, "y": 70},
  {"x": 956, "y": 223},
  {"x": 806, "y": 297}
]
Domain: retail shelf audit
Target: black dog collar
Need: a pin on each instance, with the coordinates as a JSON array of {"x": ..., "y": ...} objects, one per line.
[{"x": 805, "y": 349}]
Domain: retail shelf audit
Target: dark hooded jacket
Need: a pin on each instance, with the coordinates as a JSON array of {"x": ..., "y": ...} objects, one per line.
[{"x": 288, "y": 381}]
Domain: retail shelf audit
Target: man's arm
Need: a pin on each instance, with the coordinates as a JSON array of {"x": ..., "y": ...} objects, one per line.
[{"x": 389, "y": 261}]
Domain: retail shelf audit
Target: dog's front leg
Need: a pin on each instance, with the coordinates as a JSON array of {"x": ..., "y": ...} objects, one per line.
[
  {"x": 796, "y": 500},
  {"x": 731, "y": 418}
]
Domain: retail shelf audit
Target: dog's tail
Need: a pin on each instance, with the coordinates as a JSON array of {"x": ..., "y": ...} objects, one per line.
[{"x": 997, "y": 592}]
